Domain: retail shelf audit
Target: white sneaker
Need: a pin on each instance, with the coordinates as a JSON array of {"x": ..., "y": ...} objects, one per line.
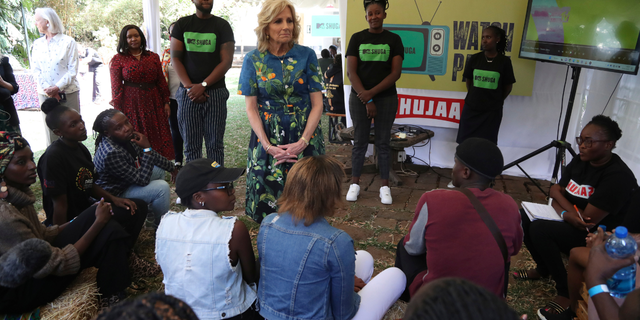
[
  {"x": 450, "y": 185},
  {"x": 385, "y": 195},
  {"x": 354, "y": 191}
]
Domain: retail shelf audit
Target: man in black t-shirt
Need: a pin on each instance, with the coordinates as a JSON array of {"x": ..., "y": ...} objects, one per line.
[{"x": 202, "y": 48}]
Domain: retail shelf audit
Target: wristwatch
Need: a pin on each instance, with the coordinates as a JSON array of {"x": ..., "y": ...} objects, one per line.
[{"x": 204, "y": 84}]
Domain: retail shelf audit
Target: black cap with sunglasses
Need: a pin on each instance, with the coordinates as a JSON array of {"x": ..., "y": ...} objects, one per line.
[{"x": 195, "y": 176}]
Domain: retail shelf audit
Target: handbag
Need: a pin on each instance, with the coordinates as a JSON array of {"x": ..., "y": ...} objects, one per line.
[{"x": 497, "y": 235}]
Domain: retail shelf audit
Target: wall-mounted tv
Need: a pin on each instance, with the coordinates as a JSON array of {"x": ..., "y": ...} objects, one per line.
[{"x": 598, "y": 34}]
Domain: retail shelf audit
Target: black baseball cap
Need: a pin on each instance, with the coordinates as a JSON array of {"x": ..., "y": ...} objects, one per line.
[
  {"x": 196, "y": 174},
  {"x": 482, "y": 156}
]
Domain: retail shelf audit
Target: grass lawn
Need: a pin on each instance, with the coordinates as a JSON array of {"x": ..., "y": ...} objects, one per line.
[{"x": 524, "y": 296}]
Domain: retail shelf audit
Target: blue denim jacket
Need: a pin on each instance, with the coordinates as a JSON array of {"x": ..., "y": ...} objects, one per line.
[{"x": 305, "y": 272}]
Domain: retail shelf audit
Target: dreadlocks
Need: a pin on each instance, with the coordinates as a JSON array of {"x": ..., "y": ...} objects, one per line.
[
  {"x": 101, "y": 124},
  {"x": 501, "y": 46}
]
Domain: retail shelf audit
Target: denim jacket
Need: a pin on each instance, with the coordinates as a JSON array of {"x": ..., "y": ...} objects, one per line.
[
  {"x": 305, "y": 272},
  {"x": 192, "y": 248}
]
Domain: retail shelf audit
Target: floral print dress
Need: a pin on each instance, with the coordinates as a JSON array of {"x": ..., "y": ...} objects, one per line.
[{"x": 283, "y": 86}]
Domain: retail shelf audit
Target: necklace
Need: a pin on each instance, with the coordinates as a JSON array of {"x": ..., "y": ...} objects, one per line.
[
  {"x": 485, "y": 57},
  {"x": 135, "y": 55}
]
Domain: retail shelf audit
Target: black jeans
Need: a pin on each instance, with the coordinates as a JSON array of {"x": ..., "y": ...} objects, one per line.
[
  {"x": 386, "y": 108},
  {"x": 109, "y": 252},
  {"x": 178, "y": 144},
  {"x": 546, "y": 240},
  {"x": 410, "y": 265}
]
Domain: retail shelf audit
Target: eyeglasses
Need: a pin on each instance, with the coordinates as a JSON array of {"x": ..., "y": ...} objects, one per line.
[
  {"x": 588, "y": 142},
  {"x": 229, "y": 188}
]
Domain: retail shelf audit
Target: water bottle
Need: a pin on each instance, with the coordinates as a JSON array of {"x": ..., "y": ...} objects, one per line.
[{"x": 619, "y": 246}]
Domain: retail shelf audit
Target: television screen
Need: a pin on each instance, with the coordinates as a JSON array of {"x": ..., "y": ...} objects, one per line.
[{"x": 598, "y": 34}]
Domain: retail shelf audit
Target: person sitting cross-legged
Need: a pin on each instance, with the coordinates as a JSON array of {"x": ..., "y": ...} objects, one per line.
[
  {"x": 448, "y": 238},
  {"x": 128, "y": 166}
]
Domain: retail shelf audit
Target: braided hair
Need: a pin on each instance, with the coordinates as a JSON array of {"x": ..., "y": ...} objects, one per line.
[
  {"x": 383, "y": 3},
  {"x": 501, "y": 46},
  {"x": 608, "y": 126},
  {"x": 152, "y": 306},
  {"x": 101, "y": 125},
  {"x": 456, "y": 298}
]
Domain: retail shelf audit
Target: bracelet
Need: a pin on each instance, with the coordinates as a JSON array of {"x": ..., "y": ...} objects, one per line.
[
  {"x": 371, "y": 100},
  {"x": 267, "y": 149},
  {"x": 598, "y": 289},
  {"x": 305, "y": 140},
  {"x": 146, "y": 150},
  {"x": 562, "y": 214}
]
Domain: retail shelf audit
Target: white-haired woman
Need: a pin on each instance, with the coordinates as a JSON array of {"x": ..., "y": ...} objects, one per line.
[
  {"x": 54, "y": 58},
  {"x": 283, "y": 89}
]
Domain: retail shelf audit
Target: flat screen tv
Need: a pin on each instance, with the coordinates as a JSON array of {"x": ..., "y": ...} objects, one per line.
[{"x": 597, "y": 34}]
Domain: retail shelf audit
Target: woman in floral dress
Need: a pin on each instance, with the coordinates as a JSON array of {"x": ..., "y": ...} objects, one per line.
[
  {"x": 282, "y": 85},
  {"x": 140, "y": 90}
]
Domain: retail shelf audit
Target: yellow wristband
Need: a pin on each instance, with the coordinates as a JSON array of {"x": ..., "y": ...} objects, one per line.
[{"x": 305, "y": 140}]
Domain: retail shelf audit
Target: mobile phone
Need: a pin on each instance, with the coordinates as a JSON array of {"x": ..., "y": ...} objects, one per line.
[{"x": 63, "y": 96}]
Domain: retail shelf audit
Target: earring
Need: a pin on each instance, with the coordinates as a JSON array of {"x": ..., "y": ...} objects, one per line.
[
  {"x": 267, "y": 37},
  {"x": 201, "y": 203}
]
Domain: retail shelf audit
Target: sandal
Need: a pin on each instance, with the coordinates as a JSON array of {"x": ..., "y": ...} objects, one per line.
[
  {"x": 523, "y": 274},
  {"x": 553, "y": 307}
]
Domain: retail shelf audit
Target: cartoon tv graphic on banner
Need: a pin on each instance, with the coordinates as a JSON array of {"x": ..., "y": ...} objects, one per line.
[{"x": 425, "y": 47}]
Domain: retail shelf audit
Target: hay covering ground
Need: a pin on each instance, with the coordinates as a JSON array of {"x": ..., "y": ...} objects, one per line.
[{"x": 78, "y": 302}]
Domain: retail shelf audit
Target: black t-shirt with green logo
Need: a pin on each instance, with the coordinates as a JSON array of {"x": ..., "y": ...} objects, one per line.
[
  {"x": 375, "y": 52},
  {"x": 202, "y": 39},
  {"x": 487, "y": 81}
]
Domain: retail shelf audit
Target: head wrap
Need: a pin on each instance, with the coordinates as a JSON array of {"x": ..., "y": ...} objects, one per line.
[
  {"x": 481, "y": 156},
  {"x": 8, "y": 143}
]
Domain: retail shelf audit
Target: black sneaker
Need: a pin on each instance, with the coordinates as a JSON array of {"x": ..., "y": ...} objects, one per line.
[{"x": 564, "y": 315}]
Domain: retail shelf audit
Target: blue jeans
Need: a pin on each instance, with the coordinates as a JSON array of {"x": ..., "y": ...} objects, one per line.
[{"x": 156, "y": 194}]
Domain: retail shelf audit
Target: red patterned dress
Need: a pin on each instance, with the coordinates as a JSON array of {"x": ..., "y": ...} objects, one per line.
[{"x": 143, "y": 106}]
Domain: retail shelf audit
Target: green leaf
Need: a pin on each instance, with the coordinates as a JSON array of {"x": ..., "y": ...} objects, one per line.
[
  {"x": 298, "y": 74},
  {"x": 271, "y": 178},
  {"x": 267, "y": 197},
  {"x": 316, "y": 79}
]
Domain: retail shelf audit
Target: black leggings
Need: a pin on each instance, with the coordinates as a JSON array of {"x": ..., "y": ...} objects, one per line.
[
  {"x": 546, "y": 240},
  {"x": 109, "y": 252}
]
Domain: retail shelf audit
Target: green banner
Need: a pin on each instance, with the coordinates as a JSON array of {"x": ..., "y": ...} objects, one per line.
[{"x": 325, "y": 26}]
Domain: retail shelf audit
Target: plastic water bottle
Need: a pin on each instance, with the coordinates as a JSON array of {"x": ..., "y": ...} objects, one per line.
[{"x": 619, "y": 246}]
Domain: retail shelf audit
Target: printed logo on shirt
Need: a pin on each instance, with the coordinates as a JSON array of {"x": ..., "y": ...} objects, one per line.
[
  {"x": 580, "y": 191},
  {"x": 374, "y": 52},
  {"x": 485, "y": 79},
  {"x": 200, "y": 42},
  {"x": 84, "y": 179},
  {"x": 49, "y": 184}
]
